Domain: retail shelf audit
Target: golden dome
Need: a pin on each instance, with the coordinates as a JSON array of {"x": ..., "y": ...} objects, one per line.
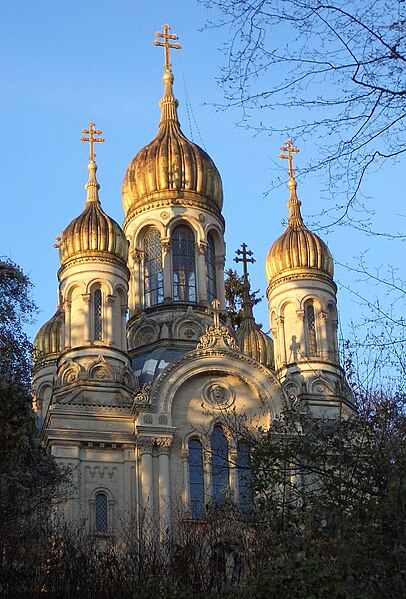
[
  {"x": 48, "y": 340},
  {"x": 297, "y": 247},
  {"x": 93, "y": 232},
  {"x": 255, "y": 343},
  {"x": 252, "y": 341},
  {"x": 171, "y": 166}
]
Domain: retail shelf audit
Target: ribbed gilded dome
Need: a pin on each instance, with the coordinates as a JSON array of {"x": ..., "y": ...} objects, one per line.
[
  {"x": 93, "y": 232},
  {"x": 171, "y": 166},
  {"x": 255, "y": 343},
  {"x": 297, "y": 247},
  {"x": 252, "y": 341},
  {"x": 48, "y": 340}
]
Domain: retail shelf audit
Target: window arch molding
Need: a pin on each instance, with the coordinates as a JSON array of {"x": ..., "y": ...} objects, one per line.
[{"x": 101, "y": 510}]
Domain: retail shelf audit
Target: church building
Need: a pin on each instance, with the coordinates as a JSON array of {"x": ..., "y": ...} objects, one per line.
[{"x": 137, "y": 368}]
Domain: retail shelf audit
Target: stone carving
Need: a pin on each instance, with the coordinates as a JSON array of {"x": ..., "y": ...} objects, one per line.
[
  {"x": 142, "y": 394},
  {"x": 148, "y": 419},
  {"x": 218, "y": 394},
  {"x": 163, "y": 419},
  {"x": 217, "y": 337},
  {"x": 100, "y": 369}
]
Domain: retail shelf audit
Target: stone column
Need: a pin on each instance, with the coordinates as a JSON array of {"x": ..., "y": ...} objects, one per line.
[
  {"x": 220, "y": 263},
  {"x": 128, "y": 482},
  {"x": 184, "y": 456},
  {"x": 137, "y": 281},
  {"x": 324, "y": 342},
  {"x": 282, "y": 341},
  {"x": 201, "y": 273},
  {"x": 86, "y": 316},
  {"x": 109, "y": 324},
  {"x": 67, "y": 305},
  {"x": 167, "y": 268},
  {"x": 145, "y": 445},
  {"x": 164, "y": 445},
  {"x": 123, "y": 331}
]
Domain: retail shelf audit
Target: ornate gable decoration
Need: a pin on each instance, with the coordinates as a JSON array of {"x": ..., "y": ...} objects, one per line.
[{"x": 217, "y": 336}]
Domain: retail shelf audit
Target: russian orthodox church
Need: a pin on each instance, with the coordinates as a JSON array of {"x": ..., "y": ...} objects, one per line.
[{"x": 139, "y": 364}]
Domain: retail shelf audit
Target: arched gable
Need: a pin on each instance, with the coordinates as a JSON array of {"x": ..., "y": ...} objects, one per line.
[{"x": 211, "y": 362}]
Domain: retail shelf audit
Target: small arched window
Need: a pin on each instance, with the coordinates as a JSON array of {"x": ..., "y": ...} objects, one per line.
[
  {"x": 97, "y": 315},
  {"x": 196, "y": 480},
  {"x": 210, "y": 258},
  {"x": 311, "y": 328},
  {"x": 101, "y": 512},
  {"x": 153, "y": 271},
  {"x": 184, "y": 264},
  {"x": 219, "y": 465},
  {"x": 244, "y": 477}
]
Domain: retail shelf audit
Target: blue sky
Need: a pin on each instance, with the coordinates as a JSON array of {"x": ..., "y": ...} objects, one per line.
[{"x": 64, "y": 64}]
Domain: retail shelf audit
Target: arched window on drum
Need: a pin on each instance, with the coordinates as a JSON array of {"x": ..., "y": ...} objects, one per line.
[
  {"x": 153, "y": 271},
  {"x": 183, "y": 264},
  {"x": 311, "y": 334}
]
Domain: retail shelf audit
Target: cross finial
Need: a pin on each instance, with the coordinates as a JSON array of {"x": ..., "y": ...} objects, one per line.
[
  {"x": 166, "y": 44},
  {"x": 289, "y": 148},
  {"x": 216, "y": 312},
  {"x": 246, "y": 257},
  {"x": 91, "y": 132}
]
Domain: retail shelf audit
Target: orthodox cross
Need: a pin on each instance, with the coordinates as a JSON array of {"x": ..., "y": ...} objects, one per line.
[
  {"x": 166, "y": 44},
  {"x": 246, "y": 257},
  {"x": 289, "y": 148},
  {"x": 91, "y": 132}
]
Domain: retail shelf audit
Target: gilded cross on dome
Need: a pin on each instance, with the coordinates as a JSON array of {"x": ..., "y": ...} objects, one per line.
[
  {"x": 166, "y": 44},
  {"x": 289, "y": 148},
  {"x": 92, "y": 132},
  {"x": 246, "y": 257}
]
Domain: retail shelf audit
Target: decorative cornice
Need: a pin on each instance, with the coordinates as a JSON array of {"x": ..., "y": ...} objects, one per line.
[{"x": 295, "y": 276}]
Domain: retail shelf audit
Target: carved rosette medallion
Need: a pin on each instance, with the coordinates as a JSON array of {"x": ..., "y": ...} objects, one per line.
[{"x": 218, "y": 394}]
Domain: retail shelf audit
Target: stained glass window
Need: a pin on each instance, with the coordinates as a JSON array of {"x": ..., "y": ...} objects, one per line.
[
  {"x": 97, "y": 310},
  {"x": 311, "y": 328},
  {"x": 153, "y": 271},
  {"x": 101, "y": 512},
  {"x": 210, "y": 258},
  {"x": 219, "y": 464},
  {"x": 184, "y": 264},
  {"x": 196, "y": 479}
]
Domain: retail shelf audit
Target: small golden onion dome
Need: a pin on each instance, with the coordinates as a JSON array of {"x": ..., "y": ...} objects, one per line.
[
  {"x": 297, "y": 247},
  {"x": 171, "y": 166},
  {"x": 93, "y": 232},
  {"x": 48, "y": 341},
  {"x": 255, "y": 343},
  {"x": 252, "y": 341}
]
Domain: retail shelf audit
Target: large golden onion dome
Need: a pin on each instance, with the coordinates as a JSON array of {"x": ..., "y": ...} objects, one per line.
[
  {"x": 171, "y": 167},
  {"x": 48, "y": 341},
  {"x": 93, "y": 233},
  {"x": 297, "y": 247}
]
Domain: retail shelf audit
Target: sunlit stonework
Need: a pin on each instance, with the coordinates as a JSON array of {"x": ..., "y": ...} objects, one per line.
[{"x": 140, "y": 360}]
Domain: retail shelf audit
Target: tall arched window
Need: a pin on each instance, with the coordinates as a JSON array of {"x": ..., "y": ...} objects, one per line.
[
  {"x": 184, "y": 264},
  {"x": 244, "y": 477},
  {"x": 311, "y": 328},
  {"x": 153, "y": 272},
  {"x": 210, "y": 258},
  {"x": 97, "y": 315},
  {"x": 101, "y": 513},
  {"x": 219, "y": 464},
  {"x": 196, "y": 480}
]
